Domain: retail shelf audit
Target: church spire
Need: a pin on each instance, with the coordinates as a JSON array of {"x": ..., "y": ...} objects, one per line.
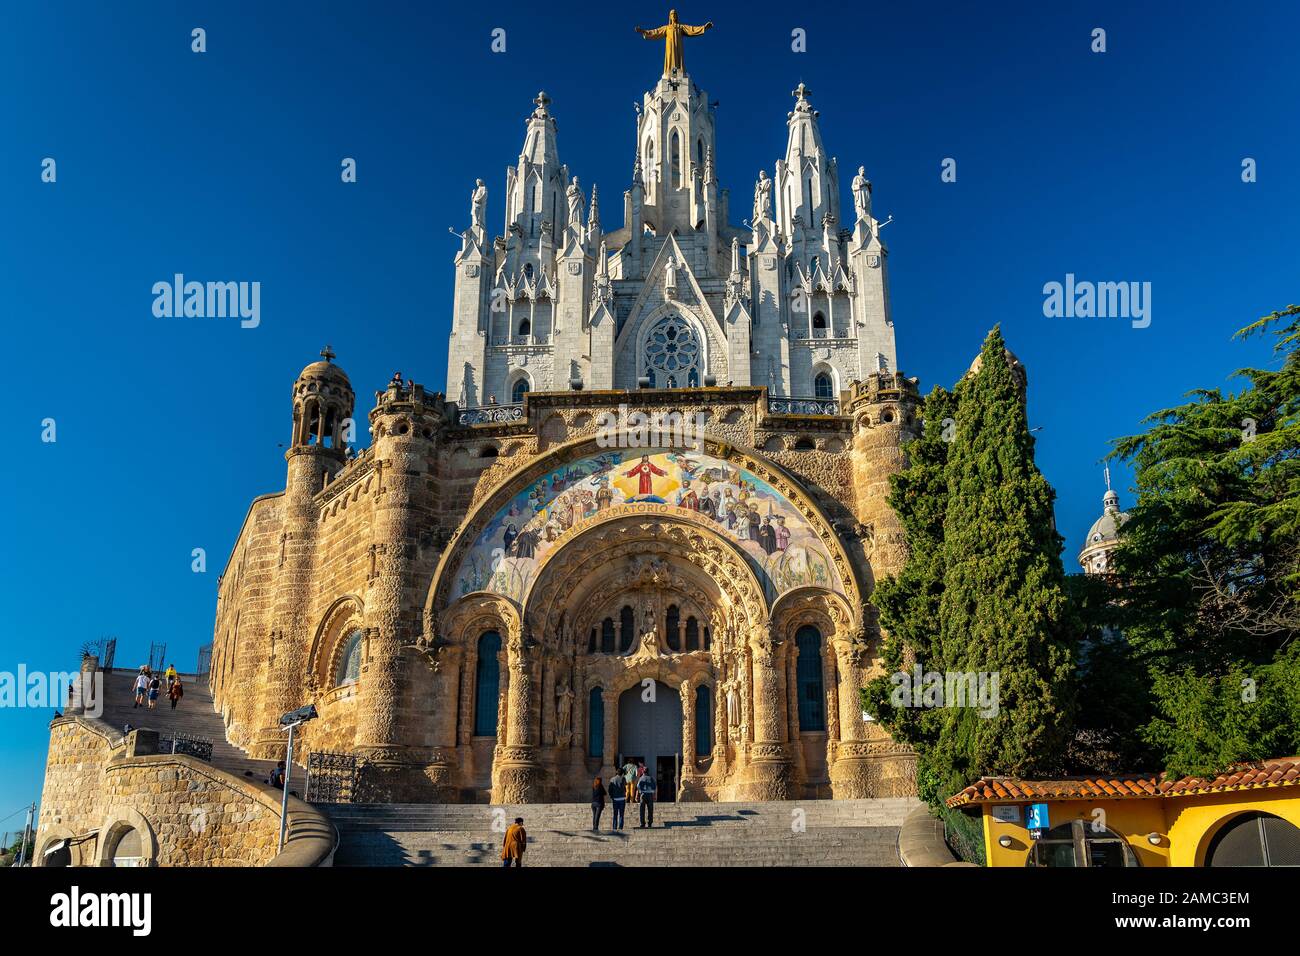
[{"x": 807, "y": 186}]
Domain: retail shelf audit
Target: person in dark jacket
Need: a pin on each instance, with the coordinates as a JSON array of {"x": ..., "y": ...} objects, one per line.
[
  {"x": 618, "y": 798},
  {"x": 176, "y": 692},
  {"x": 597, "y": 803},
  {"x": 647, "y": 789}
]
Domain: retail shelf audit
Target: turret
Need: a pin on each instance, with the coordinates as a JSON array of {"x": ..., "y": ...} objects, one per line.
[{"x": 322, "y": 422}]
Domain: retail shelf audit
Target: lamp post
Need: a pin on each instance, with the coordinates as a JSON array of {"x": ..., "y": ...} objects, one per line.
[
  {"x": 27, "y": 831},
  {"x": 290, "y": 721}
]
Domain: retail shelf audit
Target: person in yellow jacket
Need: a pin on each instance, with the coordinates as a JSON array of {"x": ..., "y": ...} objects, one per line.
[{"x": 515, "y": 844}]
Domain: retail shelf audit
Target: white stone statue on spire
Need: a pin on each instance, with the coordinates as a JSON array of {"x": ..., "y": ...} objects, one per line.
[
  {"x": 762, "y": 196},
  {"x": 574, "y": 195},
  {"x": 478, "y": 205},
  {"x": 862, "y": 195}
]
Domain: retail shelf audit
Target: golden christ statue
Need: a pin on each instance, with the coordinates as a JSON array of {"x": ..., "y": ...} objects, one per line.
[{"x": 673, "y": 31}]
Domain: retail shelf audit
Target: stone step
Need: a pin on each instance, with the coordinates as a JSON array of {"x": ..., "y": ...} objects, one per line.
[
  {"x": 194, "y": 715},
  {"x": 848, "y": 846}
]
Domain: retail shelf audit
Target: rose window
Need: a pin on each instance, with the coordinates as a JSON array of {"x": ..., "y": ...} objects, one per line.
[{"x": 673, "y": 355}]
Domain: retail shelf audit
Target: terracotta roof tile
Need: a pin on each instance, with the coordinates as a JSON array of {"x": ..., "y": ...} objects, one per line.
[{"x": 1280, "y": 772}]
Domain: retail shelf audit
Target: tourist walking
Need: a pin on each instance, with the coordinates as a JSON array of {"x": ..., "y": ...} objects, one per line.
[
  {"x": 597, "y": 803},
  {"x": 175, "y": 692},
  {"x": 618, "y": 800},
  {"x": 647, "y": 788},
  {"x": 515, "y": 844},
  {"x": 141, "y": 688},
  {"x": 154, "y": 685},
  {"x": 629, "y": 778},
  {"x": 171, "y": 675}
]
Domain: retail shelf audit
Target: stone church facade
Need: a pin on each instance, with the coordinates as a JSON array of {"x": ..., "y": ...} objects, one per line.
[{"x": 644, "y": 521}]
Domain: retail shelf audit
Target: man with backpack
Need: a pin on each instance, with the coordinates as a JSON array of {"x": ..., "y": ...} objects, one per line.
[{"x": 647, "y": 789}]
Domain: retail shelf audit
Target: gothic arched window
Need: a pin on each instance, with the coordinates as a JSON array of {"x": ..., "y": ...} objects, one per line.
[
  {"x": 692, "y": 634},
  {"x": 519, "y": 390},
  {"x": 673, "y": 623},
  {"x": 808, "y": 676},
  {"x": 819, "y": 321},
  {"x": 607, "y": 636},
  {"x": 626, "y": 625},
  {"x": 487, "y": 684},
  {"x": 349, "y": 669},
  {"x": 823, "y": 387},
  {"x": 674, "y": 357},
  {"x": 596, "y": 723},
  {"x": 676, "y": 154},
  {"x": 703, "y": 723}
]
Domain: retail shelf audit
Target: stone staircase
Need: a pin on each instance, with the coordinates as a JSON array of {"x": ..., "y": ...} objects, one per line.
[
  {"x": 194, "y": 715},
  {"x": 833, "y": 833}
]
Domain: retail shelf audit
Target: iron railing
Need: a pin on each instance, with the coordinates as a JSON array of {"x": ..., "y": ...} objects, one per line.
[
  {"x": 105, "y": 649},
  {"x": 803, "y": 406},
  {"x": 205, "y": 660},
  {"x": 490, "y": 414},
  {"x": 191, "y": 746},
  {"x": 157, "y": 656},
  {"x": 332, "y": 777}
]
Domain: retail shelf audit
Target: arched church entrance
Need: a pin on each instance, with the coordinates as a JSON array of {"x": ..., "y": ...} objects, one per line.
[{"x": 650, "y": 732}]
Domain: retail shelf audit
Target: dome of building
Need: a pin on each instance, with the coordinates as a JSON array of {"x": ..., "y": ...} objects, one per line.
[
  {"x": 325, "y": 370},
  {"x": 1103, "y": 536}
]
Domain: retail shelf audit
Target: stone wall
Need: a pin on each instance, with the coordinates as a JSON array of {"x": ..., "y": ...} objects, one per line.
[{"x": 186, "y": 812}]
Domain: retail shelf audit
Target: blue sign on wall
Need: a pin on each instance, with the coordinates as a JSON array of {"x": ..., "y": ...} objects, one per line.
[{"x": 1036, "y": 817}]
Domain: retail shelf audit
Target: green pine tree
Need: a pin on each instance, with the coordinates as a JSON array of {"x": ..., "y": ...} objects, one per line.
[
  {"x": 983, "y": 589},
  {"x": 1209, "y": 566}
]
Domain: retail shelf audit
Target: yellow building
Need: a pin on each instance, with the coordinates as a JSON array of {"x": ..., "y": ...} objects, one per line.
[{"x": 1248, "y": 816}]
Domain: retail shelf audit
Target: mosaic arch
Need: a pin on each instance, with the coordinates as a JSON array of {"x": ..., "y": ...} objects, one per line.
[{"x": 783, "y": 546}]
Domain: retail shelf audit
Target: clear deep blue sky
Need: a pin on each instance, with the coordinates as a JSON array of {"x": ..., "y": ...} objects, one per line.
[{"x": 225, "y": 166}]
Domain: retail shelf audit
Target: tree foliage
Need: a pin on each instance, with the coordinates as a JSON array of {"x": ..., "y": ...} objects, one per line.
[
  {"x": 1209, "y": 566},
  {"x": 983, "y": 589}
]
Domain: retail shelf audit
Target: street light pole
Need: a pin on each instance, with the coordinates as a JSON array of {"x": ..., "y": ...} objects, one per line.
[
  {"x": 284, "y": 798},
  {"x": 290, "y": 721},
  {"x": 27, "y": 830}
]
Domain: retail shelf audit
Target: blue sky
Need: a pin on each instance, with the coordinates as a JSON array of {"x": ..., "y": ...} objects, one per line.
[{"x": 1122, "y": 166}]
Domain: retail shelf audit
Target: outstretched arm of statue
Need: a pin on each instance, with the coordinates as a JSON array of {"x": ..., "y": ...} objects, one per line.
[
  {"x": 696, "y": 31},
  {"x": 654, "y": 34}
]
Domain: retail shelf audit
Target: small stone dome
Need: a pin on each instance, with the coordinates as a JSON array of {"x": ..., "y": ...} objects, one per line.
[{"x": 325, "y": 371}]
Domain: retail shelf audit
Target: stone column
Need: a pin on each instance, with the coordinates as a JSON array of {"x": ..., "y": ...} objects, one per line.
[
  {"x": 858, "y": 771},
  {"x": 548, "y": 702},
  {"x": 611, "y": 733},
  {"x": 769, "y": 774},
  {"x": 792, "y": 709},
  {"x": 688, "y": 728},
  {"x": 518, "y": 776}
]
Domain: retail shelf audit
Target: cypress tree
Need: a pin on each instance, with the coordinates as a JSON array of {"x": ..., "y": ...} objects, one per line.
[
  {"x": 1004, "y": 609},
  {"x": 983, "y": 589}
]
